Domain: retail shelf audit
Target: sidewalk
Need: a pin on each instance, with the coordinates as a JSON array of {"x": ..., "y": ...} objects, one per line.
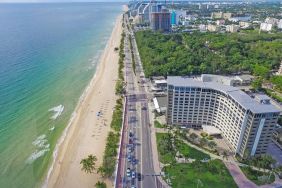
[{"x": 238, "y": 176}]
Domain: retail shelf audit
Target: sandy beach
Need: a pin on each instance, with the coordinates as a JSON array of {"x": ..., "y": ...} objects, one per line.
[{"x": 87, "y": 133}]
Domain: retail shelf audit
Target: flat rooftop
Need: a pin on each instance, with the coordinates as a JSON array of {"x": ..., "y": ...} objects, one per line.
[{"x": 241, "y": 97}]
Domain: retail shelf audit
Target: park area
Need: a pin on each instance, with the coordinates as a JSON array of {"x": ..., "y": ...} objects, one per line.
[
  {"x": 211, "y": 173},
  {"x": 199, "y": 174},
  {"x": 168, "y": 146},
  {"x": 258, "y": 177}
]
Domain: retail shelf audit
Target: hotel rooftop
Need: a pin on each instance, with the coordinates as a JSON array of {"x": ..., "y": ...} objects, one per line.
[{"x": 256, "y": 106}]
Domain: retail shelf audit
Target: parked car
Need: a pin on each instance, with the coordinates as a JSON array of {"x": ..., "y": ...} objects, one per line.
[{"x": 128, "y": 172}]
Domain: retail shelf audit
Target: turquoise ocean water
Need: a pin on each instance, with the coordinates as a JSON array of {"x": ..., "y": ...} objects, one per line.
[{"x": 48, "y": 54}]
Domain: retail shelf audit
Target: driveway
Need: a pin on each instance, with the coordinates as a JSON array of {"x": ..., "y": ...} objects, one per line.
[{"x": 275, "y": 152}]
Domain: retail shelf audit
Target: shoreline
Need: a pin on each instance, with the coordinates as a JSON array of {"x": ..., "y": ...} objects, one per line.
[{"x": 61, "y": 171}]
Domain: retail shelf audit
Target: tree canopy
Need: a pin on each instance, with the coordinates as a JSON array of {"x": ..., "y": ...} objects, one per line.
[{"x": 197, "y": 53}]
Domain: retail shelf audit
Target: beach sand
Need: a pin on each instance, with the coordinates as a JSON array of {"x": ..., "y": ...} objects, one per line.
[{"x": 87, "y": 133}]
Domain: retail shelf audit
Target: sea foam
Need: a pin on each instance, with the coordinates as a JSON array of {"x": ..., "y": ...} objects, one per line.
[
  {"x": 42, "y": 146},
  {"x": 35, "y": 155},
  {"x": 57, "y": 111},
  {"x": 40, "y": 141}
]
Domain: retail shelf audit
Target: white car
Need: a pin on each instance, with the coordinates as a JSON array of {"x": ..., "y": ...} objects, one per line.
[
  {"x": 133, "y": 175},
  {"x": 128, "y": 172}
]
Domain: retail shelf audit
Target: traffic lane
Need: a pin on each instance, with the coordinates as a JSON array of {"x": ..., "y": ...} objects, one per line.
[
  {"x": 149, "y": 179},
  {"x": 137, "y": 146},
  {"x": 130, "y": 152},
  {"x": 134, "y": 138}
]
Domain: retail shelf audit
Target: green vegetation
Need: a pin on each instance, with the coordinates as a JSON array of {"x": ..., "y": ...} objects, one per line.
[
  {"x": 277, "y": 81},
  {"x": 109, "y": 159},
  {"x": 100, "y": 184},
  {"x": 169, "y": 145},
  {"x": 198, "y": 174},
  {"x": 258, "y": 177},
  {"x": 116, "y": 123},
  {"x": 189, "y": 152},
  {"x": 157, "y": 124},
  {"x": 273, "y": 94},
  {"x": 262, "y": 161},
  {"x": 165, "y": 148},
  {"x": 205, "y": 142},
  {"x": 184, "y": 54},
  {"x": 88, "y": 164},
  {"x": 120, "y": 82}
]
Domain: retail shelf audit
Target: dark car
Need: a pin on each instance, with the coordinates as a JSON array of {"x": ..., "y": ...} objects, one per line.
[
  {"x": 130, "y": 134},
  {"x": 139, "y": 176},
  {"x": 132, "y": 182},
  {"x": 134, "y": 161},
  {"x": 129, "y": 158}
]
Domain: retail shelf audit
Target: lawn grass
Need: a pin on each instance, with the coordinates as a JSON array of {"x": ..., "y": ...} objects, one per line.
[
  {"x": 157, "y": 124},
  {"x": 254, "y": 175},
  {"x": 189, "y": 152},
  {"x": 188, "y": 175},
  {"x": 165, "y": 156}
]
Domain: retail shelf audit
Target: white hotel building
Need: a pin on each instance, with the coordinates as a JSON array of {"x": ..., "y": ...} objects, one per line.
[{"x": 246, "y": 123}]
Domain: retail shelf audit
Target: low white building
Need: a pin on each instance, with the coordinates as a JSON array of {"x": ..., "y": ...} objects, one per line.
[
  {"x": 265, "y": 27},
  {"x": 220, "y": 22},
  {"x": 273, "y": 21},
  {"x": 159, "y": 104},
  {"x": 232, "y": 28},
  {"x": 279, "y": 25},
  {"x": 185, "y": 23},
  {"x": 202, "y": 27},
  {"x": 213, "y": 28},
  {"x": 244, "y": 24}
]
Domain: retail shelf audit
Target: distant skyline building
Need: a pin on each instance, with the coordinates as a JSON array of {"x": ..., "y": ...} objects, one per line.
[
  {"x": 221, "y": 15},
  {"x": 173, "y": 18},
  {"x": 246, "y": 123},
  {"x": 161, "y": 21}
]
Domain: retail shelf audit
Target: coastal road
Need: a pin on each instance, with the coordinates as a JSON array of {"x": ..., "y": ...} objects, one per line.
[{"x": 137, "y": 157}]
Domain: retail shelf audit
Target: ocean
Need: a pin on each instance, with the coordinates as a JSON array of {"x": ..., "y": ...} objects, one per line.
[{"x": 48, "y": 54}]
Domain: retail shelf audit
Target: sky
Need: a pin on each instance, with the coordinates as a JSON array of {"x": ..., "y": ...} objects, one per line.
[{"x": 41, "y": 1}]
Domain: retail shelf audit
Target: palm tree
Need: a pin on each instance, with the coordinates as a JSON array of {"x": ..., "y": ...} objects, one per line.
[
  {"x": 225, "y": 155},
  {"x": 193, "y": 136},
  {"x": 88, "y": 164},
  {"x": 247, "y": 154},
  {"x": 101, "y": 170},
  {"x": 212, "y": 144},
  {"x": 203, "y": 141},
  {"x": 100, "y": 184}
]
